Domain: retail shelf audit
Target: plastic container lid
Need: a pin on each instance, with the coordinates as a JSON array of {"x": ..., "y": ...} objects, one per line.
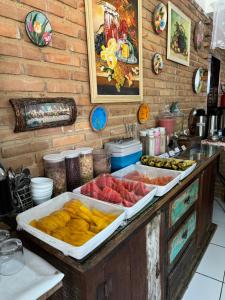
[
  {"x": 143, "y": 132},
  {"x": 150, "y": 132},
  {"x": 162, "y": 129},
  {"x": 84, "y": 150},
  {"x": 70, "y": 153},
  {"x": 58, "y": 157}
]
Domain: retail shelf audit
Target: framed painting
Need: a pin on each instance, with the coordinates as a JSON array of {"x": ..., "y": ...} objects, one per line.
[
  {"x": 38, "y": 113},
  {"x": 179, "y": 36},
  {"x": 114, "y": 35}
]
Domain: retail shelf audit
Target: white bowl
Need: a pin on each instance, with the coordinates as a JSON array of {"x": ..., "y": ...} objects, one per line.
[
  {"x": 46, "y": 197},
  {"x": 41, "y": 182},
  {"x": 39, "y": 201},
  {"x": 42, "y": 190}
]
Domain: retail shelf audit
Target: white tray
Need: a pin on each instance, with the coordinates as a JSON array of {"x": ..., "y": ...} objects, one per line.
[
  {"x": 153, "y": 172},
  {"x": 184, "y": 174},
  {"x": 48, "y": 207},
  {"x": 131, "y": 211}
]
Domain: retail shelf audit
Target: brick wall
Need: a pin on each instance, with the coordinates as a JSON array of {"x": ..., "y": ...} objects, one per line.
[{"x": 62, "y": 70}]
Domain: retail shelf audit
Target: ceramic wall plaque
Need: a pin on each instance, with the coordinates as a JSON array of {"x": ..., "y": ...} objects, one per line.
[
  {"x": 38, "y": 28},
  {"x": 98, "y": 118},
  {"x": 179, "y": 35},
  {"x": 38, "y": 113},
  {"x": 160, "y": 18},
  {"x": 157, "y": 63},
  {"x": 143, "y": 113},
  {"x": 199, "y": 35},
  {"x": 114, "y": 35},
  {"x": 198, "y": 80}
]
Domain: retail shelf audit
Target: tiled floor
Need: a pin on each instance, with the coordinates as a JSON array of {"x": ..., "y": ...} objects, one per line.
[{"x": 208, "y": 282}]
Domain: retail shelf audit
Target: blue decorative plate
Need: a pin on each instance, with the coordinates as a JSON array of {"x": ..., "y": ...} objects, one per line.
[
  {"x": 38, "y": 28},
  {"x": 98, "y": 118}
]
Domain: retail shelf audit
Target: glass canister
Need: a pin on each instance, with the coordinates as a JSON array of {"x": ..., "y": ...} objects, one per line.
[
  {"x": 143, "y": 140},
  {"x": 11, "y": 256},
  {"x": 72, "y": 162},
  {"x": 167, "y": 120},
  {"x": 4, "y": 235},
  {"x": 54, "y": 166},
  {"x": 102, "y": 162},
  {"x": 86, "y": 164}
]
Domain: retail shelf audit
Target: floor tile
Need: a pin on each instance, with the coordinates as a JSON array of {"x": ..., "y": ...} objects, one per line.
[
  {"x": 202, "y": 288},
  {"x": 219, "y": 236},
  {"x": 218, "y": 216},
  {"x": 213, "y": 262},
  {"x": 223, "y": 293}
]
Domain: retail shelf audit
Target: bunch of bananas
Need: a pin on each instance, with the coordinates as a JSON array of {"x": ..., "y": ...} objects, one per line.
[{"x": 75, "y": 223}]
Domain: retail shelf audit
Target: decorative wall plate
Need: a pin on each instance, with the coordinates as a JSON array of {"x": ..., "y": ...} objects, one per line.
[
  {"x": 98, "y": 118},
  {"x": 199, "y": 35},
  {"x": 38, "y": 28},
  {"x": 160, "y": 18},
  {"x": 198, "y": 80},
  {"x": 143, "y": 113},
  {"x": 157, "y": 63}
]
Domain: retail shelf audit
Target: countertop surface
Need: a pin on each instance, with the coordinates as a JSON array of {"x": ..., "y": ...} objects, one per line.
[{"x": 203, "y": 155}]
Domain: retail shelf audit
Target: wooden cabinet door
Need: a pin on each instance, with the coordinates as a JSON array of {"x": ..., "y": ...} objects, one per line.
[
  {"x": 205, "y": 203},
  {"x": 153, "y": 259}
]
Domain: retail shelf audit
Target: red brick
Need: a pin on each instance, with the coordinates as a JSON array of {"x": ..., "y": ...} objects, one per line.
[
  {"x": 9, "y": 135},
  {"x": 75, "y": 16},
  {"x": 68, "y": 140},
  {"x": 80, "y": 76},
  {"x": 82, "y": 100},
  {"x": 64, "y": 59},
  {"x": 8, "y": 67},
  {"x": 48, "y": 131},
  {"x": 64, "y": 27},
  {"x": 47, "y": 6},
  {"x": 58, "y": 41},
  {"x": 20, "y": 161},
  {"x": 19, "y": 149},
  {"x": 76, "y": 45},
  {"x": 12, "y": 11},
  {"x": 44, "y": 70},
  {"x": 9, "y": 29},
  {"x": 72, "y": 3},
  {"x": 11, "y": 83},
  {"x": 63, "y": 87}
]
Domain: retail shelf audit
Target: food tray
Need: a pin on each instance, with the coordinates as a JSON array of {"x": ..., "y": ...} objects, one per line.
[
  {"x": 153, "y": 172},
  {"x": 184, "y": 174},
  {"x": 130, "y": 211},
  {"x": 48, "y": 207}
]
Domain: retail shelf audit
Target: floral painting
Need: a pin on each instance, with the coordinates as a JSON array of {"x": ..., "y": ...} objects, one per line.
[
  {"x": 114, "y": 46},
  {"x": 38, "y": 28},
  {"x": 179, "y": 35}
]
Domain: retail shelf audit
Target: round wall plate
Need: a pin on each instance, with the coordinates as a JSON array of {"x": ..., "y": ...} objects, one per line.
[
  {"x": 198, "y": 80},
  {"x": 157, "y": 63},
  {"x": 143, "y": 113},
  {"x": 98, "y": 118},
  {"x": 199, "y": 35},
  {"x": 38, "y": 28},
  {"x": 160, "y": 18}
]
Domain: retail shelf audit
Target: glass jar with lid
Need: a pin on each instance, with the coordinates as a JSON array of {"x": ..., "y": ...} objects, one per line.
[
  {"x": 86, "y": 164},
  {"x": 54, "y": 166},
  {"x": 72, "y": 162},
  {"x": 102, "y": 161}
]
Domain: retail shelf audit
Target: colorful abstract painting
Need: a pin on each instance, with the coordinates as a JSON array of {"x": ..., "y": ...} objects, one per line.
[
  {"x": 114, "y": 48},
  {"x": 179, "y": 35}
]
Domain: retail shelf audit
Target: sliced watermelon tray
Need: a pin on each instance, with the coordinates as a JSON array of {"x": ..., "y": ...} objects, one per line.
[{"x": 133, "y": 196}]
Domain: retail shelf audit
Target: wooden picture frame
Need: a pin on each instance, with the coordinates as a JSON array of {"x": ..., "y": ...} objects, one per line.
[
  {"x": 38, "y": 113},
  {"x": 115, "y": 50},
  {"x": 178, "y": 36}
]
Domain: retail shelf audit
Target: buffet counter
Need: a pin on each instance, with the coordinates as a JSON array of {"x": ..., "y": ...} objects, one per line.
[{"x": 153, "y": 255}]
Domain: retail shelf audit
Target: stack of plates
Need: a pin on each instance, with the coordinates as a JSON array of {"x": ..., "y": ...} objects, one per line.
[{"x": 41, "y": 189}]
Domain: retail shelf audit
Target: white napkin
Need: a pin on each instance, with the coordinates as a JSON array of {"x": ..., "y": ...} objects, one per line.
[{"x": 35, "y": 279}]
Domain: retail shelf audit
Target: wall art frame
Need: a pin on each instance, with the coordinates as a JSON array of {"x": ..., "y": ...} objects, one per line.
[
  {"x": 178, "y": 36},
  {"x": 39, "y": 113},
  {"x": 114, "y": 35}
]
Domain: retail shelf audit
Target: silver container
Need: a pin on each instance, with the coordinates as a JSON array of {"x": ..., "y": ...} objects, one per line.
[
  {"x": 200, "y": 126},
  {"x": 213, "y": 125}
]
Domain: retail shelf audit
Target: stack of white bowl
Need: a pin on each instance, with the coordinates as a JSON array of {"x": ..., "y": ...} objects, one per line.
[{"x": 41, "y": 189}]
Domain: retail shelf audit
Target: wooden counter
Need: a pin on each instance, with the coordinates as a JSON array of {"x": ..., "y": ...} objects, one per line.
[{"x": 154, "y": 255}]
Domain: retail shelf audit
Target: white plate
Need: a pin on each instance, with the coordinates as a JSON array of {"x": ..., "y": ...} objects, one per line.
[
  {"x": 131, "y": 211},
  {"x": 152, "y": 172},
  {"x": 50, "y": 206}
]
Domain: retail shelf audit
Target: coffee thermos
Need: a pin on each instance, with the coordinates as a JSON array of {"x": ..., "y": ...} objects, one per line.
[{"x": 213, "y": 125}]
